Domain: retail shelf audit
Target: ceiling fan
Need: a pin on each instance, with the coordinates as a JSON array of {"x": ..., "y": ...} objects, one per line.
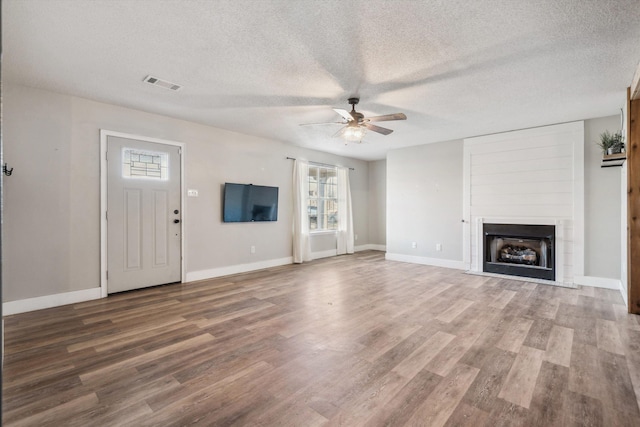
[{"x": 357, "y": 124}]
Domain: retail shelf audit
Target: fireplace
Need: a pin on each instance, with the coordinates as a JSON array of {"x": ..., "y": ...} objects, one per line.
[{"x": 520, "y": 250}]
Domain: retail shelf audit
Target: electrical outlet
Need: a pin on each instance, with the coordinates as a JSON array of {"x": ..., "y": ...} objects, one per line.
[
  {"x": 438, "y": 247},
  {"x": 253, "y": 249},
  {"x": 414, "y": 245}
]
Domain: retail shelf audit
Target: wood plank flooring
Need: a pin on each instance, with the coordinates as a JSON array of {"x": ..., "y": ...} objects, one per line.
[{"x": 352, "y": 340}]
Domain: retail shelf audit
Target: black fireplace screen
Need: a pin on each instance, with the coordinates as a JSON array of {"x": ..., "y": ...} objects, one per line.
[{"x": 519, "y": 250}]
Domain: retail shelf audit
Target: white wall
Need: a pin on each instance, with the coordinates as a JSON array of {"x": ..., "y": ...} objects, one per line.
[
  {"x": 51, "y": 217},
  {"x": 424, "y": 203}
]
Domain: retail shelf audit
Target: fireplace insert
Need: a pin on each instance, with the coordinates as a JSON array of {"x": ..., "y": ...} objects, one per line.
[{"x": 520, "y": 250}]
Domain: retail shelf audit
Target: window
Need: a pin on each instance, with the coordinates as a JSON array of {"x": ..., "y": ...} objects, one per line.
[
  {"x": 322, "y": 204},
  {"x": 144, "y": 164}
]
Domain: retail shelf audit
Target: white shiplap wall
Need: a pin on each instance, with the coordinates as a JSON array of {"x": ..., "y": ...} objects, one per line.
[{"x": 531, "y": 176}]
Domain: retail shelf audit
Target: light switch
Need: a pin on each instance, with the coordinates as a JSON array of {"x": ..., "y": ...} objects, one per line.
[{"x": 192, "y": 193}]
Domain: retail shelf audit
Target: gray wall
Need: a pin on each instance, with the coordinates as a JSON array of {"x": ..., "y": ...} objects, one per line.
[
  {"x": 378, "y": 202},
  {"x": 51, "y": 230},
  {"x": 424, "y": 200},
  {"x": 52, "y": 200},
  {"x": 602, "y": 204}
]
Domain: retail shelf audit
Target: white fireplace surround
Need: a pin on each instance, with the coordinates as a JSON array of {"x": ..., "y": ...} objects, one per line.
[
  {"x": 559, "y": 257},
  {"x": 533, "y": 176}
]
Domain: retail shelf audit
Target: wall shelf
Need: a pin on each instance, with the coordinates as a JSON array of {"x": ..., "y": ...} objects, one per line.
[{"x": 610, "y": 160}]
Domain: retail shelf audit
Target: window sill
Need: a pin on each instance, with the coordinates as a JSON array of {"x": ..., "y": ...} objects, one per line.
[{"x": 321, "y": 232}]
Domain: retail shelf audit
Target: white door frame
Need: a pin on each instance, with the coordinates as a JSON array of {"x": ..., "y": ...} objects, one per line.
[{"x": 104, "y": 134}]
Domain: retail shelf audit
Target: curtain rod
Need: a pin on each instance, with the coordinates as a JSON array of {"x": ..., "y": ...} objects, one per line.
[{"x": 320, "y": 164}]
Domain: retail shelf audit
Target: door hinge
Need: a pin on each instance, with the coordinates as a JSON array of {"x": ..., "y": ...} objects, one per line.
[
  {"x": 107, "y": 274},
  {"x": 180, "y": 150},
  {"x": 106, "y": 215}
]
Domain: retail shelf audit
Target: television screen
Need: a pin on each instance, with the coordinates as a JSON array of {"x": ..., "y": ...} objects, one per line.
[{"x": 249, "y": 203}]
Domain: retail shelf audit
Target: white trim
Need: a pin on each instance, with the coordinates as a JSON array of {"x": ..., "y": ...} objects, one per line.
[
  {"x": 103, "y": 213},
  {"x": 466, "y": 204},
  {"x": 104, "y": 134},
  {"x": 436, "y": 262},
  {"x": 48, "y": 301},
  {"x": 624, "y": 236},
  {"x": 370, "y": 247},
  {"x": 559, "y": 251},
  {"x": 635, "y": 84},
  {"x": 236, "y": 269},
  {"x": 324, "y": 254},
  {"x": 623, "y": 292},
  {"x": 478, "y": 264},
  {"x": 517, "y": 221},
  {"x": 598, "y": 282},
  {"x": 322, "y": 232},
  {"x": 578, "y": 201}
]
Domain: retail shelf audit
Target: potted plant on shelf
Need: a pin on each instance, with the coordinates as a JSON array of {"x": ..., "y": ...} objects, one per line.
[{"x": 611, "y": 143}]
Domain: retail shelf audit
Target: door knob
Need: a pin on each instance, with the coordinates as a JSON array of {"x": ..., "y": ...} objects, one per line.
[{"x": 175, "y": 221}]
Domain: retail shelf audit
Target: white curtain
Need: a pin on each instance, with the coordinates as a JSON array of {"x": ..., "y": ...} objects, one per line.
[
  {"x": 345, "y": 217},
  {"x": 301, "y": 242}
]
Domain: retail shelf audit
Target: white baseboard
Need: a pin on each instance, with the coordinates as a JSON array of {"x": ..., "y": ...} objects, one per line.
[
  {"x": 370, "y": 247},
  {"x": 436, "y": 262},
  {"x": 235, "y": 269},
  {"x": 334, "y": 252},
  {"x": 48, "y": 301},
  {"x": 598, "y": 282}
]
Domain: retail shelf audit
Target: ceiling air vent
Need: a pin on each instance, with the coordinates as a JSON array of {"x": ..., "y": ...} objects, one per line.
[{"x": 162, "y": 83}]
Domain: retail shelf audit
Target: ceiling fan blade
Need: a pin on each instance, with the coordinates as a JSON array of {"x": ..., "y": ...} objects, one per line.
[
  {"x": 325, "y": 123},
  {"x": 387, "y": 117},
  {"x": 378, "y": 129},
  {"x": 344, "y": 113}
]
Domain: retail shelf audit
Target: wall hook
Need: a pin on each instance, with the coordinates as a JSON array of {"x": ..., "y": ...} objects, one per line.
[{"x": 6, "y": 170}]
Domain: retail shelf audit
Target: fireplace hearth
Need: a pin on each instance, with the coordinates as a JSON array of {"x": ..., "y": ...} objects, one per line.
[{"x": 519, "y": 250}]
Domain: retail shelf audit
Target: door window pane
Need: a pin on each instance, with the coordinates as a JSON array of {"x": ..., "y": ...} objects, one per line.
[{"x": 144, "y": 164}]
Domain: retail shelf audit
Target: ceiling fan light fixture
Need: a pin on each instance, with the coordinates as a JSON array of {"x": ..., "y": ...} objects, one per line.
[
  {"x": 354, "y": 133},
  {"x": 357, "y": 125}
]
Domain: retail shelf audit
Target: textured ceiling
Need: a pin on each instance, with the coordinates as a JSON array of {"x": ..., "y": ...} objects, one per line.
[{"x": 456, "y": 68}]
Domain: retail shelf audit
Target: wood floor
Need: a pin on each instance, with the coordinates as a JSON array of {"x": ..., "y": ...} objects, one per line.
[{"x": 353, "y": 340}]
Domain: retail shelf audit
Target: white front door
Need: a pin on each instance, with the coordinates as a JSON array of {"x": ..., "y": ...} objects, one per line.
[{"x": 143, "y": 214}]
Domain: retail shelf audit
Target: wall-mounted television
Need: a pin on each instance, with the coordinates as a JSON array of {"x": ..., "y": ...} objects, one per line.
[{"x": 249, "y": 203}]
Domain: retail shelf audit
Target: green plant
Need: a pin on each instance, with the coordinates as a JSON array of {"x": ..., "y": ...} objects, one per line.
[
  {"x": 618, "y": 142},
  {"x": 613, "y": 141}
]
